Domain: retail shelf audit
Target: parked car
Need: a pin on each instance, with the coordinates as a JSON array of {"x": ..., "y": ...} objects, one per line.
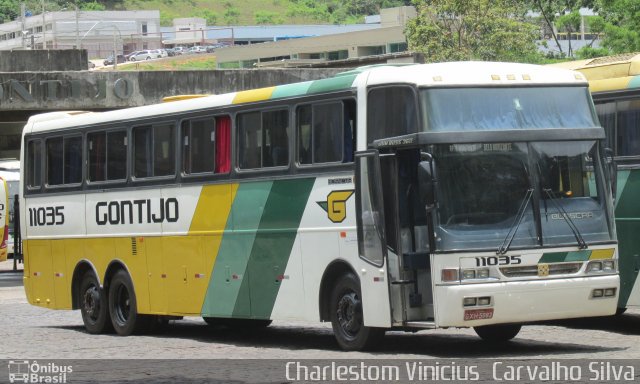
[
  {"x": 179, "y": 50},
  {"x": 197, "y": 49},
  {"x": 170, "y": 52},
  {"x": 109, "y": 60},
  {"x": 146, "y": 54},
  {"x": 159, "y": 53},
  {"x": 91, "y": 65},
  {"x": 129, "y": 55},
  {"x": 214, "y": 47}
]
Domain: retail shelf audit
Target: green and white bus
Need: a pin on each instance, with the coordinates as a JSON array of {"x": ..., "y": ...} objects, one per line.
[
  {"x": 409, "y": 197},
  {"x": 615, "y": 85}
]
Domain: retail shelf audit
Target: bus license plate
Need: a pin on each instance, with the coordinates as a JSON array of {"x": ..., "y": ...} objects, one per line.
[{"x": 478, "y": 314}]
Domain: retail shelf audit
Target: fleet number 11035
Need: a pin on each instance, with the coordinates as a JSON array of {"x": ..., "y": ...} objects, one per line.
[
  {"x": 41, "y": 216},
  {"x": 488, "y": 261}
]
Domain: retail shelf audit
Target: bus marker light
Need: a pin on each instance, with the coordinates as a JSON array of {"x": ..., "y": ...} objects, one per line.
[
  {"x": 495, "y": 77},
  {"x": 449, "y": 275},
  {"x": 199, "y": 275},
  {"x": 343, "y": 234},
  {"x": 478, "y": 314},
  {"x": 164, "y": 275},
  {"x": 58, "y": 274},
  {"x": 609, "y": 292},
  {"x": 511, "y": 77},
  {"x": 469, "y": 301},
  {"x": 378, "y": 279},
  {"x": 597, "y": 293},
  {"x": 526, "y": 77}
]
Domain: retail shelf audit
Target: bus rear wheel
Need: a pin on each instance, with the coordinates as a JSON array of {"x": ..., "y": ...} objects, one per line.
[
  {"x": 93, "y": 305},
  {"x": 499, "y": 333},
  {"x": 123, "y": 306},
  {"x": 347, "y": 320}
]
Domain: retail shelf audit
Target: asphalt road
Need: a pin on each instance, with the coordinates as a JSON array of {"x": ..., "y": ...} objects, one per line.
[{"x": 10, "y": 279}]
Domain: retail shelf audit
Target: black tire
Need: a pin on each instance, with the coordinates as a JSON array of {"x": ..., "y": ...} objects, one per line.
[
  {"x": 499, "y": 333},
  {"x": 123, "y": 306},
  {"x": 148, "y": 58},
  {"x": 347, "y": 319},
  {"x": 93, "y": 305},
  {"x": 133, "y": 59}
]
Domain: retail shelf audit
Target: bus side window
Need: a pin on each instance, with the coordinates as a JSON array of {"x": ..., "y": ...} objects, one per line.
[
  {"x": 325, "y": 132},
  {"x": 263, "y": 139},
  {"x": 199, "y": 145},
  {"x": 154, "y": 152},
  {"x": 55, "y": 167},
  {"x": 34, "y": 163}
]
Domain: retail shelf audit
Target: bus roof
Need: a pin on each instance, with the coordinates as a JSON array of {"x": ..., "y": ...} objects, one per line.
[
  {"x": 422, "y": 75},
  {"x": 610, "y": 73}
]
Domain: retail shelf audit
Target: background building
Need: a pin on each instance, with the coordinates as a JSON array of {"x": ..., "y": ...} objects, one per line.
[{"x": 95, "y": 31}]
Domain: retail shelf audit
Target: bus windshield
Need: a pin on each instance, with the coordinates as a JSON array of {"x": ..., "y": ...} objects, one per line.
[
  {"x": 502, "y": 108},
  {"x": 487, "y": 190}
]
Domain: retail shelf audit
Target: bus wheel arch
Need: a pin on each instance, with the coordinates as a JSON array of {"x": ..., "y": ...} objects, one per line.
[
  {"x": 334, "y": 271},
  {"x": 82, "y": 268}
]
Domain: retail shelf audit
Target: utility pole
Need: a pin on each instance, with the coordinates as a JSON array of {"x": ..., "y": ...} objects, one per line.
[
  {"x": 115, "y": 52},
  {"x": 44, "y": 29},
  {"x": 23, "y": 10},
  {"x": 77, "y": 29}
]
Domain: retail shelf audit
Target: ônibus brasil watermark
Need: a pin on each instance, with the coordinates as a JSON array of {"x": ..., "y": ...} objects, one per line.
[{"x": 25, "y": 371}]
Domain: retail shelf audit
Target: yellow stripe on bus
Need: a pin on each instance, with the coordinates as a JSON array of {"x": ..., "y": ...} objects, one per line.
[
  {"x": 601, "y": 254},
  {"x": 609, "y": 84},
  {"x": 253, "y": 95}
]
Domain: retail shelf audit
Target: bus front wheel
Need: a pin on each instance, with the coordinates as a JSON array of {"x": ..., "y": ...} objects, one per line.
[
  {"x": 347, "y": 319},
  {"x": 93, "y": 305},
  {"x": 123, "y": 306},
  {"x": 498, "y": 333}
]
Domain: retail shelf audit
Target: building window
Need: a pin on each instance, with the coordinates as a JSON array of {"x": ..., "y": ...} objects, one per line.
[
  {"x": 338, "y": 55},
  {"x": 39, "y": 29},
  {"x": 144, "y": 29},
  {"x": 397, "y": 47},
  {"x": 263, "y": 139}
]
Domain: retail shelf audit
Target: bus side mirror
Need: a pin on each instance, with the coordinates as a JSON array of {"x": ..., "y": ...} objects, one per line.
[
  {"x": 426, "y": 183},
  {"x": 613, "y": 170}
]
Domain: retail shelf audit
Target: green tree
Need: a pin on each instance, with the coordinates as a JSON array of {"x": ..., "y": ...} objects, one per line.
[
  {"x": 266, "y": 17},
  {"x": 496, "y": 30},
  {"x": 210, "y": 16},
  {"x": 231, "y": 15},
  {"x": 570, "y": 23},
  {"x": 621, "y": 24}
]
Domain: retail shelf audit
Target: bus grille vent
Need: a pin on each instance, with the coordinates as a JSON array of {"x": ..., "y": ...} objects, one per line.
[
  {"x": 532, "y": 270},
  {"x": 134, "y": 246}
]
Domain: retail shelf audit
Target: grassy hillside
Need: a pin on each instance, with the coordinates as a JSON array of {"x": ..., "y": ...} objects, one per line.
[{"x": 253, "y": 12}]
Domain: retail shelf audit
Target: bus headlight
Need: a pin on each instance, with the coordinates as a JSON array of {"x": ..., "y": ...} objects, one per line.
[
  {"x": 594, "y": 266},
  {"x": 597, "y": 266},
  {"x": 482, "y": 273},
  {"x": 468, "y": 274},
  {"x": 449, "y": 275}
]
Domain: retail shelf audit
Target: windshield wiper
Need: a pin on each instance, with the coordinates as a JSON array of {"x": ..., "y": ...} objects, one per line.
[
  {"x": 506, "y": 243},
  {"x": 581, "y": 243}
]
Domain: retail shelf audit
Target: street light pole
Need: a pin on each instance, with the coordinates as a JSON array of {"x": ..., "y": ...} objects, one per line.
[
  {"x": 77, "y": 30},
  {"x": 115, "y": 52}
]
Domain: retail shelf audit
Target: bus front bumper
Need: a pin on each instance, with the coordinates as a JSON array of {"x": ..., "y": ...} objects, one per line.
[{"x": 525, "y": 301}]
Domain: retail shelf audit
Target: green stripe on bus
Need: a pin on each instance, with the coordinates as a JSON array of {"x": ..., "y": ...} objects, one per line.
[
  {"x": 554, "y": 257},
  {"x": 291, "y": 90},
  {"x": 560, "y": 257},
  {"x": 628, "y": 209},
  {"x": 578, "y": 256},
  {"x": 634, "y": 83},
  {"x": 332, "y": 84},
  {"x": 273, "y": 244},
  {"x": 224, "y": 294}
]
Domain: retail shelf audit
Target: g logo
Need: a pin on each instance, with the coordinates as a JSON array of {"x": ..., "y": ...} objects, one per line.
[{"x": 336, "y": 205}]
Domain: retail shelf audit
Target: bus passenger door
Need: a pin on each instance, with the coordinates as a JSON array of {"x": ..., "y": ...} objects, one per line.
[{"x": 372, "y": 246}]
